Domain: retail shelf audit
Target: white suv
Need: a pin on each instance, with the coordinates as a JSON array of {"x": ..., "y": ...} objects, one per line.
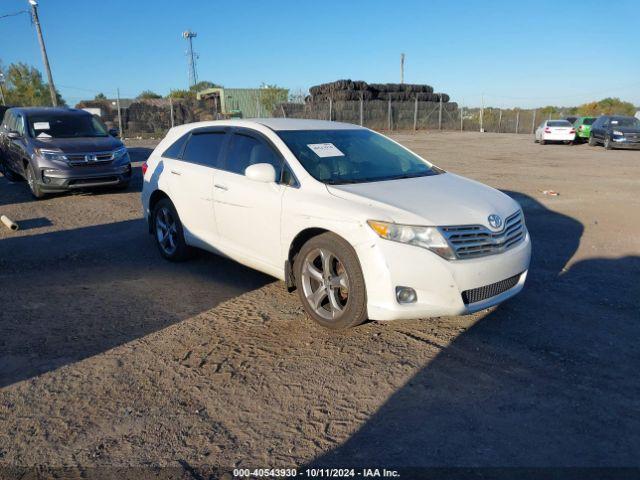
[{"x": 358, "y": 224}]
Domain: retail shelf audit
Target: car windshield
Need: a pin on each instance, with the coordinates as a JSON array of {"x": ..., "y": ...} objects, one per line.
[
  {"x": 353, "y": 156},
  {"x": 588, "y": 121},
  {"x": 628, "y": 122},
  {"x": 65, "y": 126},
  {"x": 558, "y": 123}
]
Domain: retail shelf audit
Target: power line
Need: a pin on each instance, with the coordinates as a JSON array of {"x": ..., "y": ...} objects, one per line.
[{"x": 13, "y": 14}]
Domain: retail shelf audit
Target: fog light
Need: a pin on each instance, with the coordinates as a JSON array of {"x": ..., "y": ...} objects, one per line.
[
  {"x": 46, "y": 172},
  {"x": 406, "y": 295}
]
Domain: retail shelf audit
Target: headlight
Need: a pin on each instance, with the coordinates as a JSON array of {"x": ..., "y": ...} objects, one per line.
[
  {"x": 51, "y": 154},
  {"x": 119, "y": 152},
  {"x": 618, "y": 132},
  {"x": 425, "y": 237}
]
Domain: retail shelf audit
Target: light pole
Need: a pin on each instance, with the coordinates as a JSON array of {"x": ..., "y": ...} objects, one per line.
[{"x": 43, "y": 49}]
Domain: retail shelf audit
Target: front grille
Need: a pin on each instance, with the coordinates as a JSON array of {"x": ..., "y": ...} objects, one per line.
[
  {"x": 471, "y": 241},
  {"x": 89, "y": 159},
  {"x": 482, "y": 293},
  {"x": 93, "y": 181}
]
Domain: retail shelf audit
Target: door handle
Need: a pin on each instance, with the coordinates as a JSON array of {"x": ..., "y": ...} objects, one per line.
[
  {"x": 221, "y": 187},
  {"x": 175, "y": 172}
]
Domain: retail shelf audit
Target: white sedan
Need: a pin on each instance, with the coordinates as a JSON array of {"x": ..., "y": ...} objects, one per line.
[
  {"x": 361, "y": 226},
  {"x": 555, "y": 131}
]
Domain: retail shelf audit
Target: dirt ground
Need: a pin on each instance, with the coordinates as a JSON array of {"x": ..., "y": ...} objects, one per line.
[{"x": 110, "y": 356}]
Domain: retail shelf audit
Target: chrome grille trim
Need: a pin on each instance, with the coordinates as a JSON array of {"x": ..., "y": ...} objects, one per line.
[
  {"x": 82, "y": 159},
  {"x": 472, "y": 241}
]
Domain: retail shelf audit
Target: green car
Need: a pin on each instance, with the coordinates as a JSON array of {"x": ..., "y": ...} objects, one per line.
[{"x": 583, "y": 128}]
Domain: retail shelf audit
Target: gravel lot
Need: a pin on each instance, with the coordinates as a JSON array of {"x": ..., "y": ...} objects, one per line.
[{"x": 110, "y": 356}]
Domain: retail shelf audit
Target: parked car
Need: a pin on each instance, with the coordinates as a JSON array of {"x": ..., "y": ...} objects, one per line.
[
  {"x": 582, "y": 126},
  {"x": 615, "y": 131},
  {"x": 555, "y": 131},
  {"x": 571, "y": 119},
  {"x": 58, "y": 149},
  {"x": 361, "y": 226}
]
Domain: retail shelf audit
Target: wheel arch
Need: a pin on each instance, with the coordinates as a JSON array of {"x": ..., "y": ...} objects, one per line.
[
  {"x": 294, "y": 248},
  {"x": 154, "y": 198}
]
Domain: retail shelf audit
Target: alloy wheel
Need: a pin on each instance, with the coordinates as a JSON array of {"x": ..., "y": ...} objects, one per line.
[
  {"x": 166, "y": 231},
  {"x": 325, "y": 283}
]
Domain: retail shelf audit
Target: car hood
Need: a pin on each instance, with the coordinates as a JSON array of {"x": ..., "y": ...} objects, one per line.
[
  {"x": 79, "y": 145},
  {"x": 441, "y": 200}
]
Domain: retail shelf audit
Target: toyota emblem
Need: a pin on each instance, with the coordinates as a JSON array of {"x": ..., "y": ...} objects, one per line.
[{"x": 495, "y": 221}]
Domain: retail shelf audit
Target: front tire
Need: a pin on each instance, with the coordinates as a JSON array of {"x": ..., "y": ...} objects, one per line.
[
  {"x": 592, "y": 141},
  {"x": 35, "y": 188},
  {"x": 168, "y": 232},
  {"x": 330, "y": 282},
  {"x": 607, "y": 143}
]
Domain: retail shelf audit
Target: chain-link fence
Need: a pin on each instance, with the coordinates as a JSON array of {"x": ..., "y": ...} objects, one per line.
[{"x": 153, "y": 117}]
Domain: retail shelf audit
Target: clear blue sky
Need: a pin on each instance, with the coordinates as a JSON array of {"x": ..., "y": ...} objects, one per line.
[{"x": 517, "y": 53}]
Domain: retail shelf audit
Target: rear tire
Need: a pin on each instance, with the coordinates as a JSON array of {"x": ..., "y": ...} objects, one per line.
[
  {"x": 592, "y": 141},
  {"x": 168, "y": 233},
  {"x": 330, "y": 282},
  {"x": 34, "y": 187},
  {"x": 542, "y": 141}
]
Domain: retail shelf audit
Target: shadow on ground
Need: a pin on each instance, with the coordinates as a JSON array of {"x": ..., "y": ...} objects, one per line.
[
  {"x": 72, "y": 294},
  {"x": 548, "y": 379}
]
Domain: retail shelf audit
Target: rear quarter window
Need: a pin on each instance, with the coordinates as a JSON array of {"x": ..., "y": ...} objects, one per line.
[{"x": 175, "y": 150}]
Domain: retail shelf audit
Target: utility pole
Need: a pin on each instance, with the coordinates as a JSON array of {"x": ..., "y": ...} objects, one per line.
[
  {"x": 4, "y": 102},
  {"x": 43, "y": 49},
  {"x": 482, "y": 115},
  {"x": 402, "y": 68},
  {"x": 191, "y": 56},
  {"x": 119, "y": 114}
]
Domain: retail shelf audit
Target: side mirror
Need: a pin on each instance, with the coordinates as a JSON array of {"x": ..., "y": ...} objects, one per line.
[
  {"x": 114, "y": 132},
  {"x": 13, "y": 135},
  {"x": 261, "y": 172}
]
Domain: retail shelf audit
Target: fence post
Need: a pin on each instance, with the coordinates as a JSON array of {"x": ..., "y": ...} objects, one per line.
[
  {"x": 517, "y": 121},
  {"x": 171, "y": 108},
  {"x": 533, "y": 123},
  {"x": 482, "y": 116},
  {"x": 461, "y": 119},
  {"x": 499, "y": 120},
  {"x": 120, "y": 126},
  {"x": 361, "y": 109},
  {"x": 415, "y": 114},
  {"x": 389, "y": 115},
  {"x": 440, "y": 114},
  {"x": 284, "y": 115},
  {"x": 330, "y": 107}
]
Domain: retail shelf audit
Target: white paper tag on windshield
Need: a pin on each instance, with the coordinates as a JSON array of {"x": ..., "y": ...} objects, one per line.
[
  {"x": 43, "y": 135},
  {"x": 325, "y": 150},
  {"x": 41, "y": 126}
]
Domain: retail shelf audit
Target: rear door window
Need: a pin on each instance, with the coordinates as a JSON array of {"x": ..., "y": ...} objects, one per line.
[{"x": 205, "y": 148}]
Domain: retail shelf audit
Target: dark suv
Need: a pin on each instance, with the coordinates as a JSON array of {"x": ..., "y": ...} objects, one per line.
[
  {"x": 614, "y": 131},
  {"x": 58, "y": 149}
]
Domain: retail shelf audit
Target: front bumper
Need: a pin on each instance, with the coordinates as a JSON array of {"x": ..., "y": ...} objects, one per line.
[
  {"x": 439, "y": 283},
  {"x": 625, "y": 143},
  {"x": 51, "y": 180}
]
